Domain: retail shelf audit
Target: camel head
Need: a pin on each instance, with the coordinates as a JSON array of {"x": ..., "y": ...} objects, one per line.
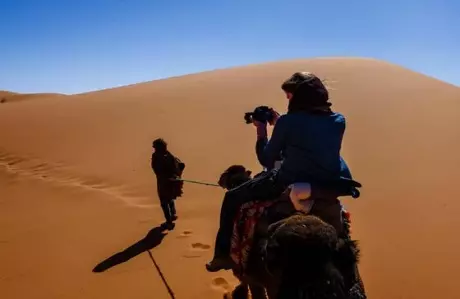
[
  {"x": 234, "y": 176},
  {"x": 301, "y": 252}
]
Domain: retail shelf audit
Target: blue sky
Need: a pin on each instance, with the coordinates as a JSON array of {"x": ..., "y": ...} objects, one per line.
[{"x": 77, "y": 46}]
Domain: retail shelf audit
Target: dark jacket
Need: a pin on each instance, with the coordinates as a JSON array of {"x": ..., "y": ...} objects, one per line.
[
  {"x": 310, "y": 144},
  {"x": 167, "y": 168}
]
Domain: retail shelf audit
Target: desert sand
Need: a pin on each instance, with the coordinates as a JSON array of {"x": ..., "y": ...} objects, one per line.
[{"x": 76, "y": 185}]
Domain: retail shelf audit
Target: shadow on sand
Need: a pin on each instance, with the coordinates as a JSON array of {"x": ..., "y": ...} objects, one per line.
[{"x": 151, "y": 240}]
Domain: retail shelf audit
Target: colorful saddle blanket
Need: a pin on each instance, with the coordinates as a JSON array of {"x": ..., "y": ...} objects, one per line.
[{"x": 243, "y": 232}]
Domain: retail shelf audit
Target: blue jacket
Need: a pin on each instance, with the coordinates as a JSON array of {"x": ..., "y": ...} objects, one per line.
[{"x": 310, "y": 147}]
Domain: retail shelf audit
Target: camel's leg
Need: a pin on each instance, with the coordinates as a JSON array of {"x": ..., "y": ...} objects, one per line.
[
  {"x": 257, "y": 292},
  {"x": 271, "y": 292},
  {"x": 241, "y": 291}
]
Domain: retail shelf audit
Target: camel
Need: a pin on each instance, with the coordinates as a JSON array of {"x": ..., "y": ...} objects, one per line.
[{"x": 295, "y": 255}]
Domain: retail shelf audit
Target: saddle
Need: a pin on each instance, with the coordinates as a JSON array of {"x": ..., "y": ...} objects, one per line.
[{"x": 251, "y": 213}]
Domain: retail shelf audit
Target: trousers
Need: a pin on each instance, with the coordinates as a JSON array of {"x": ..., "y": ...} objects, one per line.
[{"x": 169, "y": 209}]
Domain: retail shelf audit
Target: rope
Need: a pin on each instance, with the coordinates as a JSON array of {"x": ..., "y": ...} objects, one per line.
[
  {"x": 171, "y": 293},
  {"x": 197, "y": 182}
]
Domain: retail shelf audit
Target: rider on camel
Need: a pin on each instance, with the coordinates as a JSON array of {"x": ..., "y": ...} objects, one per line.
[{"x": 309, "y": 137}]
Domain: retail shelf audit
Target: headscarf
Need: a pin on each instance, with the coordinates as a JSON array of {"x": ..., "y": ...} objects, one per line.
[{"x": 309, "y": 93}]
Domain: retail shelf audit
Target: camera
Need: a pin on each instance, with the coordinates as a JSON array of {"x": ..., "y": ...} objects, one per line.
[{"x": 262, "y": 114}]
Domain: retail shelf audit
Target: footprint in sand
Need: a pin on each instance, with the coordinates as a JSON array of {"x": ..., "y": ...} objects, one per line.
[
  {"x": 62, "y": 175},
  {"x": 15, "y": 161},
  {"x": 192, "y": 255},
  {"x": 221, "y": 284},
  {"x": 185, "y": 234},
  {"x": 201, "y": 246},
  {"x": 196, "y": 250}
]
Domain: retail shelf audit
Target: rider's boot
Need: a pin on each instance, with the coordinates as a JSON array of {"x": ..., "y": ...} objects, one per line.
[
  {"x": 221, "y": 259},
  {"x": 219, "y": 263}
]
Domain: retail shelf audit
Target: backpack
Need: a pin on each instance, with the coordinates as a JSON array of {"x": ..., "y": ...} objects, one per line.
[
  {"x": 180, "y": 166},
  {"x": 178, "y": 185}
]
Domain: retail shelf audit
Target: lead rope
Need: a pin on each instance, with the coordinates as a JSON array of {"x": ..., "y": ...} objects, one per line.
[
  {"x": 168, "y": 288},
  {"x": 171, "y": 293},
  {"x": 196, "y": 182}
]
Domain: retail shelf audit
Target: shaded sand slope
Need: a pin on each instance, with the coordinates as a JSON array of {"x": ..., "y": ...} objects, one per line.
[
  {"x": 89, "y": 158},
  {"x": 52, "y": 237}
]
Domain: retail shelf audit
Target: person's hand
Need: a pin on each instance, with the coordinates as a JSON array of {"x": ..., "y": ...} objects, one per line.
[
  {"x": 258, "y": 124},
  {"x": 261, "y": 129},
  {"x": 275, "y": 118}
]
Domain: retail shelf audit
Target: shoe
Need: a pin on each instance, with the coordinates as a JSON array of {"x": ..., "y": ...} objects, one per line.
[
  {"x": 219, "y": 263},
  {"x": 169, "y": 225}
]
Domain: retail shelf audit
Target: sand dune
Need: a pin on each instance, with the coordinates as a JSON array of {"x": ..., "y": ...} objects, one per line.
[
  {"x": 11, "y": 97},
  {"x": 76, "y": 187}
]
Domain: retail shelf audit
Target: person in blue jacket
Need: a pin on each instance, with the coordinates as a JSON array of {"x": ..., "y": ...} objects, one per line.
[{"x": 309, "y": 138}]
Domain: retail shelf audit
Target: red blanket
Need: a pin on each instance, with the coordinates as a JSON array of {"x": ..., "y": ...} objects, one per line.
[{"x": 243, "y": 233}]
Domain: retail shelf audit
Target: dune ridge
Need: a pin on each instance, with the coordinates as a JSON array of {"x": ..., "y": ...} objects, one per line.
[
  {"x": 75, "y": 180},
  {"x": 250, "y": 67},
  {"x": 12, "y": 97}
]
